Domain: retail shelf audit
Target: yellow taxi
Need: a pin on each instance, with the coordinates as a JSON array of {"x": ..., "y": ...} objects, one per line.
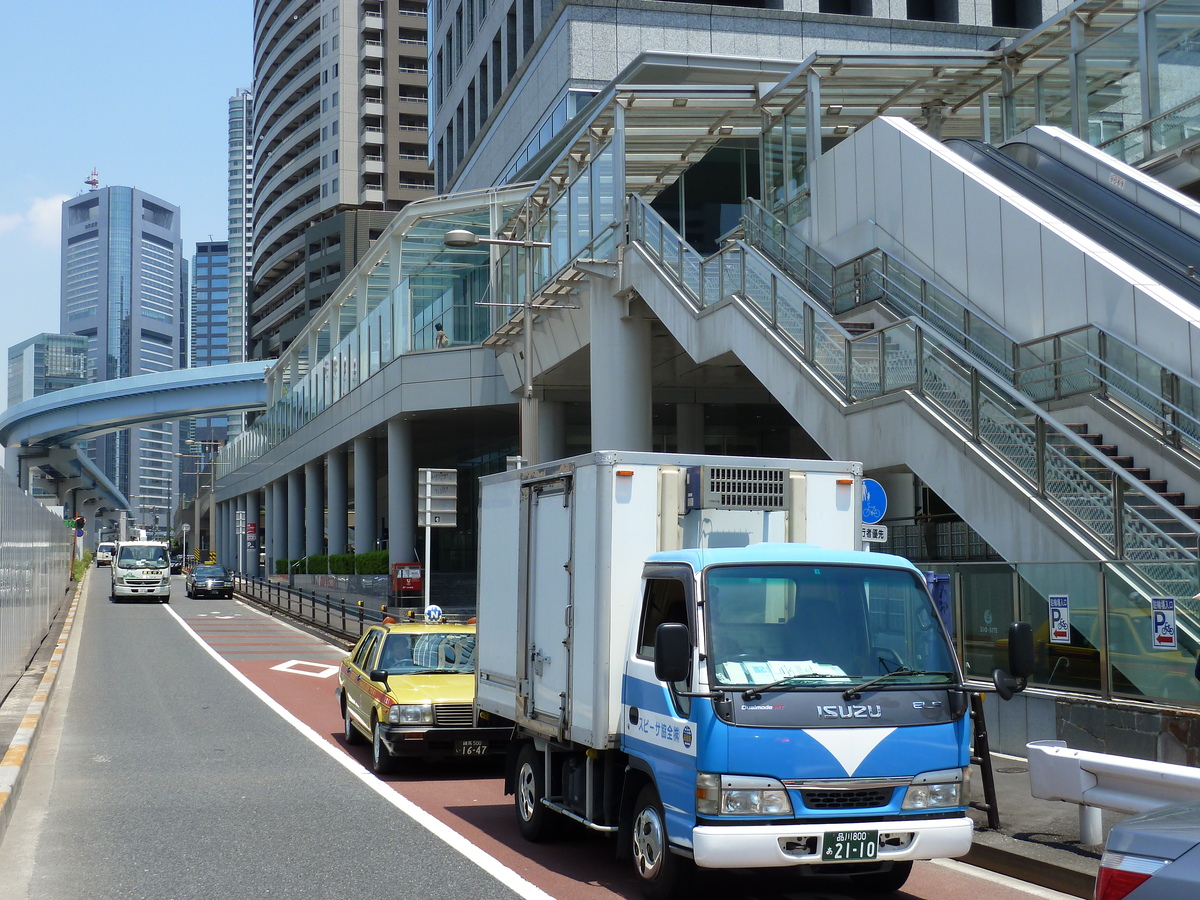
[{"x": 409, "y": 688}]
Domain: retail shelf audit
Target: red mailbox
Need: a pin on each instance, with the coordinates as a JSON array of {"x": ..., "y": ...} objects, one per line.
[{"x": 406, "y": 578}]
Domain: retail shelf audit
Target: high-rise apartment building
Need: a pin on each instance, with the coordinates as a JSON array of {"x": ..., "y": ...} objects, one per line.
[
  {"x": 339, "y": 126},
  {"x": 45, "y": 363},
  {"x": 241, "y": 208},
  {"x": 121, "y": 283}
]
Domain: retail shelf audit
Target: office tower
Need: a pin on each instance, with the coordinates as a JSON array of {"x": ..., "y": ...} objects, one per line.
[
  {"x": 45, "y": 363},
  {"x": 339, "y": 126},
  {"x": 121, "y": 271},
  {"x": 241, "y": 207},
  {"x": 208, "y": 338}
]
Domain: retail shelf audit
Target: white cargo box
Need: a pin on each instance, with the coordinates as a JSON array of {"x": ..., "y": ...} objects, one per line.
[{"x": 561, "y": 551}]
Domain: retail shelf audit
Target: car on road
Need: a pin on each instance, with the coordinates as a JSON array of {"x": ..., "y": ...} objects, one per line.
[
  {"x": 104, "y": 553},
  {"x": 410, "y": 689},
  {"x": 209, "y": 581},
  {"x": 1153, "y": 856},
  {"x": 177, "y": 564}
]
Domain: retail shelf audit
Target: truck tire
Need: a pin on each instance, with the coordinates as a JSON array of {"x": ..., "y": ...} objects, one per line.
[
  {"x": 883, "y": 882},
  {"x": 661, "y": 874},
  {"x": 532, "y": 816},
  {"x": 382, "y": 762},
  {"x": 351, "y": 734}
]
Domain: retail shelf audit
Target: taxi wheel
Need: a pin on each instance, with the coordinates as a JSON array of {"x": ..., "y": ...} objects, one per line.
[
  {"x": 883, "y": 882},
  {"x": 661, "y": 874},
  {"x": 532, "y": 816},
  {"x": 382, "y": 762},
  {"x": 350, "y": 733}
]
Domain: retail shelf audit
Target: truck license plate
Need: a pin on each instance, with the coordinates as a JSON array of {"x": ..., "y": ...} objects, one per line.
[
  {"x": 849, "y": 846},
  {"x": 470, "y": 748}
]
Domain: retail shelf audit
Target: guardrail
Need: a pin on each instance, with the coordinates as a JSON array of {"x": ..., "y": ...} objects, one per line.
[
  {"x": 336, "y": 614},
  {"x": 1098, "y": 781}
]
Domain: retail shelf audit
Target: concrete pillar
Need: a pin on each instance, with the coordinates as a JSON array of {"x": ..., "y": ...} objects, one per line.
[
  {"x": 220, "y": 546},
  {"x": 277, "y": 524},
  {"x": 265, "y": 530},
  {"x": 402, "y": 499},
  {"x": 295, "y": 515},
  {"x": 366, "y": 512},
  {"x": 314, "y": 507},
  {"x": 253, "y": 541},
  {"x": 689, "y": 427},
  {"x": 552, "y": 430},
  {"x": 620, "y": 371},
  {"x": 238, "y": 541},
  {"x": 339, "y": 510}
]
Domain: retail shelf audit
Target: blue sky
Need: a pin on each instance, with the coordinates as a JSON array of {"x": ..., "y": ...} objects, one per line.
[{"x": 137, "y": 89}]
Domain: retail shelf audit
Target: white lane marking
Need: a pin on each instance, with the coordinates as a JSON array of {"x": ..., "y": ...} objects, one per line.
[
  {"x": 1015, "y": 884},
  {"x": 485, "y": 861},
  {"x": 313, "y": 670}
]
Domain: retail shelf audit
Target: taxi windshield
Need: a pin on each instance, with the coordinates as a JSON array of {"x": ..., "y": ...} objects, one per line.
[
  {"x": 435, "y": 652},
  {"x": 821, "y": 627},
  {"x": 134, "y": 557}
]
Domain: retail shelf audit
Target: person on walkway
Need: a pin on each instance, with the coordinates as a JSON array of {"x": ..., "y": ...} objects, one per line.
[{"x": 442, "y": 340}]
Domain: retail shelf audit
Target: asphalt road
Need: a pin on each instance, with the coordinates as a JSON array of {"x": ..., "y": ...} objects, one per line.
[{"x": 194, "y": 751}]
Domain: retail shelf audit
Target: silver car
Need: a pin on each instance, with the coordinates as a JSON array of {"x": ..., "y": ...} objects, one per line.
[{"x": 1154, "y": 856}]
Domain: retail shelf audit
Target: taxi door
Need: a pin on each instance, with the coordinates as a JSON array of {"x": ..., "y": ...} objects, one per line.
[{"x": 355, "y": 672}]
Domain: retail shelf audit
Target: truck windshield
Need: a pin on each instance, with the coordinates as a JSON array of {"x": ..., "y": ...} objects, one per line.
[
  {"x": 803, "y": 626},
  {"x": 442, "y": 652},
  {"x": 142, "y": 557}
]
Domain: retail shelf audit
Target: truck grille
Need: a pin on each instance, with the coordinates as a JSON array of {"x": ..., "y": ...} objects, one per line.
[
  {"x": 453, "y": 715},
  {"x": 863, "y": 799}
]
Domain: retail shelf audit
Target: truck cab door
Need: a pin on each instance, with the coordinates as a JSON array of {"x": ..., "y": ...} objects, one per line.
[{"x": 545, "y": 626}]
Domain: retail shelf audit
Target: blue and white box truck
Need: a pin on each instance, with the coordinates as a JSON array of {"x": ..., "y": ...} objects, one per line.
[{"x": 701, "y": 660}]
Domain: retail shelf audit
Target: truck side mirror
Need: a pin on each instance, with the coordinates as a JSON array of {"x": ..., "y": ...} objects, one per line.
[
  {"x": 1020, "y": 661},
  {"x": 672, "y": 652}
]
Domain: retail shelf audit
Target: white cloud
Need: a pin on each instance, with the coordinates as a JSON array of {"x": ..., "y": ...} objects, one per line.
[{"x": 41, "y": 223}]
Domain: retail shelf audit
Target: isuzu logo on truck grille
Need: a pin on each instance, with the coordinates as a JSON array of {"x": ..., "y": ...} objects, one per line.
[{"x": 850, "y": 711}]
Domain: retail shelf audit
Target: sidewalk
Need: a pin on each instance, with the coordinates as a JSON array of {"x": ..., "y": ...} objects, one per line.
[{"x": 1038, "y": 840}]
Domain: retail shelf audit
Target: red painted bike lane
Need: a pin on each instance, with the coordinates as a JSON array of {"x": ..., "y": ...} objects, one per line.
[{"x": 299, "y": 672}]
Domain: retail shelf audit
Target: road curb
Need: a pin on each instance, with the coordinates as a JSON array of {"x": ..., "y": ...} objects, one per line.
[
  {"x": 1034, "y": 871},
  {"x": 12, "y": 765}
]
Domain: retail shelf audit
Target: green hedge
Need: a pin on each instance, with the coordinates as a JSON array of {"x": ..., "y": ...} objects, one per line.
[{"x": 374, "y": 562}]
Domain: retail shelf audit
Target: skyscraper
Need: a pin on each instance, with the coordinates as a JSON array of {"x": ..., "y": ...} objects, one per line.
[
  {"x": 339, "y": 129},
  {"x": 45, "y": 363},
  {"x": 121, "y": 271},
  {"x": 241, "y": 208}
]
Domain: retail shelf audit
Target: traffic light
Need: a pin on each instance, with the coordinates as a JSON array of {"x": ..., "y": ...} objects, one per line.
[{"x": 80, "y": 522}]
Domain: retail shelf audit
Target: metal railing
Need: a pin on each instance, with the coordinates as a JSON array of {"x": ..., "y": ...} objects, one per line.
[
  {"x": 797, "y": 301},
  {"x": 336, "y": 614}
]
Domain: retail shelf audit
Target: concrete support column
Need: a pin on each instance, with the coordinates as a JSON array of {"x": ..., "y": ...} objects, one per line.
[
  {"x": 552, "y": 430},
  {"x": 366, "y": 513},
  {"x": 295, "y": 515},
  {"x": 252, "y": 541},
  {"x": 220, "y": 547},
  {"x": 277, "y": 518},
  {"x": 238, "y": 541},
  {"x": 402, "y": 499},
  {"x": 314, "y": 507},
  {"x": 689, "y": 427},
  {"x": 620, "y": 371},
  {"x": 339, "y": 509}
]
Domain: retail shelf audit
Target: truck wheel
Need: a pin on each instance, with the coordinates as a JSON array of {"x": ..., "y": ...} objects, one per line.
[
  {"x": 532, "y": 816},
  {"x": 350, "y": 733},
  {"x": 883, "y": 882},
  {"x": 382, "y": 762},
  {"x": 661, "y": 873}
]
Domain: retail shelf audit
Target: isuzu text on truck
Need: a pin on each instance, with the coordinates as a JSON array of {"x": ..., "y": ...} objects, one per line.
[{"x": 700, "y": 660}]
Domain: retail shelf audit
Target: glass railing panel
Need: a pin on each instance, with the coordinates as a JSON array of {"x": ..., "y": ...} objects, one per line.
[
  {"x": 1179, "y": 126},
  {"x": 790, "y": 309},
  {"x": 829, "y": 351},
  {"x": 900, "y": 357},
  {"x": 866, "y": 366},
  {"x": 947, "y": 382}
]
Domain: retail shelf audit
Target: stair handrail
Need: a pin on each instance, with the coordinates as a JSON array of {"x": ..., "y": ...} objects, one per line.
[{"x": 712, "y": 279}]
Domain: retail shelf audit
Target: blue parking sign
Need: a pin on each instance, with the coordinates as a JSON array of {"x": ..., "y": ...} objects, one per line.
[
  {"x": 1060, "y": 619},
  {"x": 1163, "y": 616}
]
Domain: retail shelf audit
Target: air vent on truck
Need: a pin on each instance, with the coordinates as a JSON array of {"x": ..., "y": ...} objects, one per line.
[{"x": 736, "y": 487}]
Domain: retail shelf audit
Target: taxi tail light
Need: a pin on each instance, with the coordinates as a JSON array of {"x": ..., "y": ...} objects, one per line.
[{"x": 1121, "y": 874}]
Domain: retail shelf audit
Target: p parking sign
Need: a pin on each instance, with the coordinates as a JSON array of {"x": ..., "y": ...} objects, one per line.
[
  {"x": 1060, "y": 619},
  {"x": 1163, "y": 618}
]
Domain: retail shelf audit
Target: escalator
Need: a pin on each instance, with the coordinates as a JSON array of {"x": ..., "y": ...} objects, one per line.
[{"x": 1146, "y": 241}]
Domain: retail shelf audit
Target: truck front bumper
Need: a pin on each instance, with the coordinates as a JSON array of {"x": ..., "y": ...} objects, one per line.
[{"x": 763, "y": 846}]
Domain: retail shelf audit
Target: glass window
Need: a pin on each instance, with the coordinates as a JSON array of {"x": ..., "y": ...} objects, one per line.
[
  {"x": 665, "y": 601},
  {"x": 365, "y": 649}
]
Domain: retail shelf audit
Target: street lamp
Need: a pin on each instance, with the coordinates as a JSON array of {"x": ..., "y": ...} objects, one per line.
[
  {"x": 462, "y": 239},
  {"x": 212, "y": 489}
]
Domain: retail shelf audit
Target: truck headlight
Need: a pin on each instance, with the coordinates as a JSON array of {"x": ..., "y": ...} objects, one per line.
[
  {"x": 740, "y": 795},
  {"x": 410, "y": 714},
  {"x": 937, "y": 790}
]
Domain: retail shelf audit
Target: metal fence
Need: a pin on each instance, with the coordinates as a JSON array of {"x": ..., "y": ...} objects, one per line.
[{"x": 35, "y": 570}]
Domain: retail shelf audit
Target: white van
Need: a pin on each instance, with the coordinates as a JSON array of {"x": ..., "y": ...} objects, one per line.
[
  {"x": 104, "y": 553},
  {"x": 141, "y": 569}
]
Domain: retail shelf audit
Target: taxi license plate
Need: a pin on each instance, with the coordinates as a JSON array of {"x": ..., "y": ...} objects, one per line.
[
  {"x": 470, "y": 748},
  {"x": 849, "y": 846}
]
